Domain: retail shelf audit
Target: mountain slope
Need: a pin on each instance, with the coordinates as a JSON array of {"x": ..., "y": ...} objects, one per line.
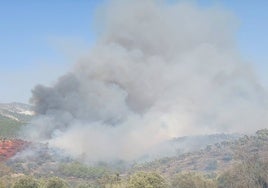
[
  {"x": 17, "y": 111},
  {"x": 214, "y": 158},
  {"x": 12, "y": 117}
]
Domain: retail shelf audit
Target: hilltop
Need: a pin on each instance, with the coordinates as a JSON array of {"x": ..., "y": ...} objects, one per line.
[{"x": 16, "y": 111}]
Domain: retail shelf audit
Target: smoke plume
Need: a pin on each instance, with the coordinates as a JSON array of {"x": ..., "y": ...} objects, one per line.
[{"x": 157, "y": 71}]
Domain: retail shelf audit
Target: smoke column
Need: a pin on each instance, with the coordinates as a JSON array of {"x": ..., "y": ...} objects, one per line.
[{"x": 157, "y": 71}]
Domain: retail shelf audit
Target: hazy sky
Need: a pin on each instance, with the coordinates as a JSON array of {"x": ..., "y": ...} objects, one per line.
[{"x": 39, "y": 40}]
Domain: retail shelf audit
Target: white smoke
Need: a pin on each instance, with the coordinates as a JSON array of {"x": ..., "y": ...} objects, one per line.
[{"x": 157, "y": 71}]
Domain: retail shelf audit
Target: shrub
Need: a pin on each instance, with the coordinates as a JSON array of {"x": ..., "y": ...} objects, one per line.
[
  {"x": 79, "y": 170},
  {"x": 26, "y": 182},
  {"x": 55, "y": 183},
  {"x": 191, "y": 180},
  {"x": 245, "y": 175},
  {"x": 146, "y": 180}
]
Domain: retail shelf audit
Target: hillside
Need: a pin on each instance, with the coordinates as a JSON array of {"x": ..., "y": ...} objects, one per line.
[
  {"x": 12, "y": 117},
  {"x": 17, "y": 111},
  {"x": 212, "y": 159},
  {"x": 206, "y": 154}
]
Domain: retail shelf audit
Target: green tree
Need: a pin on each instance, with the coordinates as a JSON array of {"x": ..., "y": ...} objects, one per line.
[
  {"x": 191, "y": 180},
  {"x": 4, "y": 170},
  {"x": 55, "y": 182},
  {"x": 146, "y": 180},
  {"x": 252, "y": 171},
  {"x": 80, "y": 170},
  {"x": 2, "y": 185},
  {"x": 246, "y": 175},
  {"x": 84, "y": 186},
  {"x": 26, "y": 182}
]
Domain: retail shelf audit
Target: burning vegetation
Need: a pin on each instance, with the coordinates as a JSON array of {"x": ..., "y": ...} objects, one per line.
[{"x": 10, "y": 147}]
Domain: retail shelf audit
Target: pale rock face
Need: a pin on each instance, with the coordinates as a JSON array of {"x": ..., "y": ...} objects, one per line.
[{"x": 15, "y": 111}]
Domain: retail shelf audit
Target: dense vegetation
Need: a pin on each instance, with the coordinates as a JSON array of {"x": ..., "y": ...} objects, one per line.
[
  {"x": 76, "y": 169},
  {"x": 234, "y": 164},
  {"x": 253, "y": 174},
  {"x": 12, "y": 117},
  {"x": 9, "y": 127}
]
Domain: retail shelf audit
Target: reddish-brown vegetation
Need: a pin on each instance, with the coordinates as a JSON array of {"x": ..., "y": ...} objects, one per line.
[{"x": 9, "y": 147}]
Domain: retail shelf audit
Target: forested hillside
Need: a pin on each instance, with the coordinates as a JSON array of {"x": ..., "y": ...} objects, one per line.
[
  {"x": 220, "y": 160},
  {"x": 236, "y": 163},
  {"x": 12, "y": 117}
]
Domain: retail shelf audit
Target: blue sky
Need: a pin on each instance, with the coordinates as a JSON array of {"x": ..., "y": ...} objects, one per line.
[{"x": 39, "y": 40}]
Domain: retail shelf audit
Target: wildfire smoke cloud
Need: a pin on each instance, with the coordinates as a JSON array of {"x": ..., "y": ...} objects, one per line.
[{"x": 157, "y": 71}]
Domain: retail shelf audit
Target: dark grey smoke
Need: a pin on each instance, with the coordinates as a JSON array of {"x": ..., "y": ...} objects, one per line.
[{"x": 157, "y": 71}]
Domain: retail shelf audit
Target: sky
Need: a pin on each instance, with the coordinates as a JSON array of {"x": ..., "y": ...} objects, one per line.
[{"x": 40, "y": 40}]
